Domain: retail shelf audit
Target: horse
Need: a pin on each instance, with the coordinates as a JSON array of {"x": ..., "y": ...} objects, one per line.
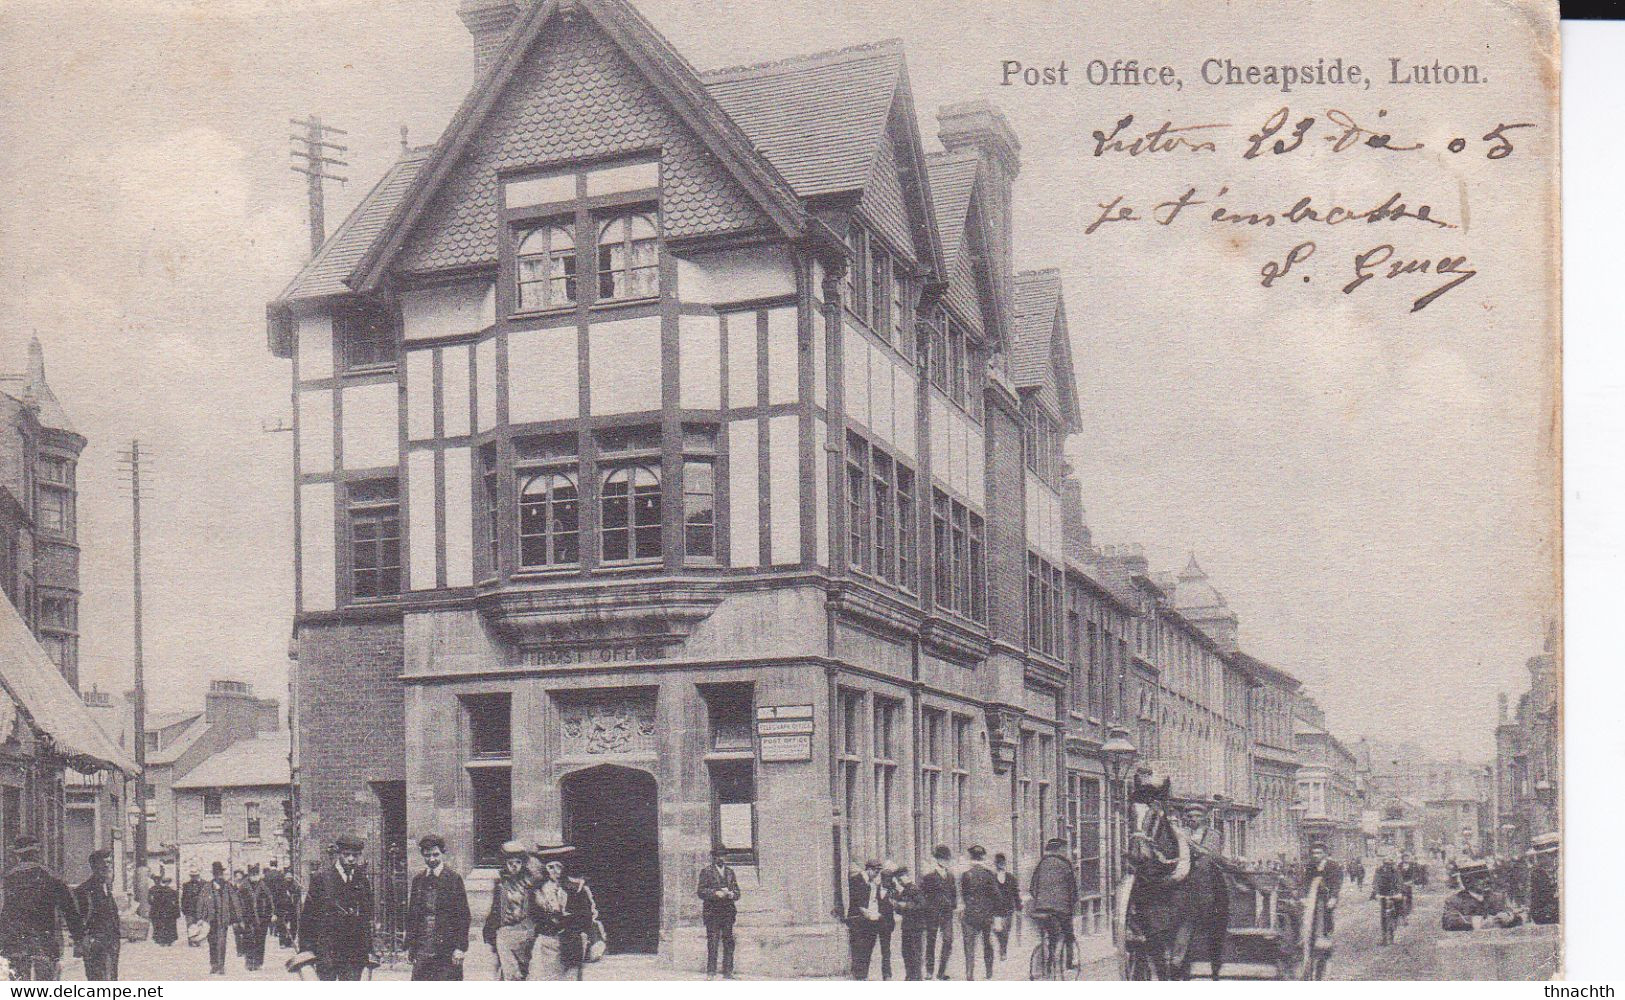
[{"x": 1176, "y": 894}]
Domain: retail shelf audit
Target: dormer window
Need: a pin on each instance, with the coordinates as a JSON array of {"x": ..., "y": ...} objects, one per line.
[
  {"x": 547, "y": 268},
  {"x": 628, "y": 258}
]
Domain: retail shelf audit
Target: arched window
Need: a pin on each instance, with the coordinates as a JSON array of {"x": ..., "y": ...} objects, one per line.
[
  {"x": 547, "y": 268},
  {"x": 549, "y": 520},
  {"x": 628, "y": 258},
  {"x": 630, "y": 512}
]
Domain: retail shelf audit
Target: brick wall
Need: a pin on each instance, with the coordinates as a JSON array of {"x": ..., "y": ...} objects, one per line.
[
  {"x": 1006, "y": 515},
  {"x": 351, "y": 726}
]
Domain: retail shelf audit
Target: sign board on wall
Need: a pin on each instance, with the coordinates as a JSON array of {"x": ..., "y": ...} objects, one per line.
[{"x": 784, "y": 733}]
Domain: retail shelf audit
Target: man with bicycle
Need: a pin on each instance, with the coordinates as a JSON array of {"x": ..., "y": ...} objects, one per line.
[
  {"x": 1052, "y": 898},
  {"x": 1386, "y": 889}
]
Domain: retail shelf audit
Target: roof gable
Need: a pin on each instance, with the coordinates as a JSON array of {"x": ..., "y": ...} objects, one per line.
[
  {"x": 580, "y": 80},
  {"x": 1042, "y": 356}
]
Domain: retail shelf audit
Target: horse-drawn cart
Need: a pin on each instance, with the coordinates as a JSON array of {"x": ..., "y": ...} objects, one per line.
[{"x": 1266, "y": 935}]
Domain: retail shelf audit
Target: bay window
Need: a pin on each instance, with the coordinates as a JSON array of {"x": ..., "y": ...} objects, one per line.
[
  {"x": 547, "y": 267},
  {"x": 628, "y": 258},
  {"x": 630, "y": 514},
  {"x": 549, "y": 519}
]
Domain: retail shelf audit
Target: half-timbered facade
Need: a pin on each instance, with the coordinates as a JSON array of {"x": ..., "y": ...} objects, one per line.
[{"x": 673, "y": 475}]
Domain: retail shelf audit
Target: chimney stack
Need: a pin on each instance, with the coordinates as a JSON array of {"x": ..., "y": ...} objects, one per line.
[
  {"x": 979, "y": 127},
  {"x": 488, "y": 22}
]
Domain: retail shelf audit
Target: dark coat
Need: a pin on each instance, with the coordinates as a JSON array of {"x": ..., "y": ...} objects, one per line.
[
  {"x": 1385, "y": 881},
  {"x": 910, "y": 904},
  {"x": 98, "y": 911},
  {"x": 191, "y": 889},
  {"x": 165, "y": 906},
  {"x": 336, "y": 922},
  {"x": 451, "y": 916},
  {"x": 858, "y": 893},
  {"x": 257, "y": 901},
  {"x": 718, "y": 909},
  {"x": 1331, "y": 878},
  {"x": 1054, "y": 887},
  {"x": 218, "y": 906},
  {"x": 34, "y": 901},
  {"x": 981, "y": 896},
  {"x": 495, "y": 919},
  {"x": 941, "y": 893},
  {"x": 1010, "y": 892}
]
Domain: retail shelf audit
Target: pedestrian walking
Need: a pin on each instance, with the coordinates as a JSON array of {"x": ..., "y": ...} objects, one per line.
[
  {"x": 719, "y": 896},
  {"x": 863, "y": 896},
  {"x": 103, "y": 930},
  {"x": 1331, "y": 883},
  {"x": 335, "y": 924},
  {"x": 566, "y": 917},
  {"x": 218, "y": 909},
  {"x": 35, "y": 900},
  {"x": 941, "y": 891},
  {"x": 888, "y": 915},
  {"x": 284, "y": 901},
  {"x": 164, "y": 906},
  {"x": 191, "y": 892},
  {"x": 910, "y": 905},
  {"x": 1010, "y": 897},
  {"x": 510, "y": 927},
  {"x": 258, "y": 909},
  {"x": 437, "y": 917},
  {"x": 979, "y": 902}
]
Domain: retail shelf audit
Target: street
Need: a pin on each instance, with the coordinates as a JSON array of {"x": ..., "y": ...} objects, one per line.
[{"x": 1360, "y": 955}]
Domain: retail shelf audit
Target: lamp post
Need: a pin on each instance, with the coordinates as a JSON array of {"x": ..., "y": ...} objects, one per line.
[
  {"x": 1117, "y": 754},
  {"x": 1298, "y": 808}
]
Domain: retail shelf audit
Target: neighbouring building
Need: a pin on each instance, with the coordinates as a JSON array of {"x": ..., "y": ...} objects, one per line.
[
  {"x": 1529, "y": 756},
  {"x": 1441, "y": 806},
  {"x": 95, "y": 800},
  {"x": 178, "y": 742},
  {"x": 235, "y": 806},
  {"x": 48, "y": 738},
  {"x": 1329, "y": 804},
  {"x": 1275, "y": 761},
  {"x": 673, "y": 474}
]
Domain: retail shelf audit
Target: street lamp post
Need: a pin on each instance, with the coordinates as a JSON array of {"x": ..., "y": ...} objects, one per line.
[
  {"x": 1298, "y": 809},
  {"x": 1117, "y": 754}
]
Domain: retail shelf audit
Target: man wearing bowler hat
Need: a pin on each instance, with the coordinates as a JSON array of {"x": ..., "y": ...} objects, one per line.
[
  {"x": 335, "y": 924},
  {"x": 99, "y": 912},
  {"x": 34, "y": 901}
]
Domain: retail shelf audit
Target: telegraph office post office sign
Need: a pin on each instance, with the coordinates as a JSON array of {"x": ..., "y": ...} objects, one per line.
[{"x": 784, "y": 733}]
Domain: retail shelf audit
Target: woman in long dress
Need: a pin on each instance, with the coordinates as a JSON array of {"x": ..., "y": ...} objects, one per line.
[{"x": 164, "y": 905}]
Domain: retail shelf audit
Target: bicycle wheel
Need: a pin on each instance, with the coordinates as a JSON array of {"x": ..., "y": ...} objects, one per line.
[{"x": 1036, "y": 968}]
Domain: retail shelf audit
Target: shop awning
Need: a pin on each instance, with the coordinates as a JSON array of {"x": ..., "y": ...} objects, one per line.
[{"x": 39, "y": 689}]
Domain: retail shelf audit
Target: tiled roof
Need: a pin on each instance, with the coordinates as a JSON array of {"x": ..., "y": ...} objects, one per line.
[
  {"x": 170, "y": 752},
  {"x": 953, "y": 177},
  {"x": 260, "y": 761},
  {"x": 817, "y": 118},
  {"x": 1038, "y": 294},
  {"x": 325, "y": 273}
]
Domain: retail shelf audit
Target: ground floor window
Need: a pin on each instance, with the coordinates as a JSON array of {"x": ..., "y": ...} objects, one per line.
[
  {"x": 492, "y": 793},
  {"x": 733, "y": 810}
]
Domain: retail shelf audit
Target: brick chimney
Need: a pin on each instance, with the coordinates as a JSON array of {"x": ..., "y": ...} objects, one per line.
[
  {"x": 232, "y": 706},
  {"x": 979, "y": 127},
  {"x": 488, "y": 22}
]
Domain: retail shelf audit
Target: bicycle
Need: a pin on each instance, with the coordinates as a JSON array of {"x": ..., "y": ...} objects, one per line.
[{"x": 1055, "y": 955}]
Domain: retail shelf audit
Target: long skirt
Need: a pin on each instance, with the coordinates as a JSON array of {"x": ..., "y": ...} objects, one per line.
[{"x": 163, "y": 930}]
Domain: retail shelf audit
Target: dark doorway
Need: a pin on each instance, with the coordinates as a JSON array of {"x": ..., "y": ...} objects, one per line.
[{"x": 612, "y": 816}]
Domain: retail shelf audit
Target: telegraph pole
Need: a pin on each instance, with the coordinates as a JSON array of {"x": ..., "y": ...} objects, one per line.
[
  {"x": 312, "y": 151},
  {"x": 133, "y": 458}
]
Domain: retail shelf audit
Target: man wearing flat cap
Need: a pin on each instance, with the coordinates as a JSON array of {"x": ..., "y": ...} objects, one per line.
[
  {"x": 335, "y": 924},
  {"x": 510, "y": 927},
  {"x": 34, "y": 901},
  {"x": 99, "y": 912}
]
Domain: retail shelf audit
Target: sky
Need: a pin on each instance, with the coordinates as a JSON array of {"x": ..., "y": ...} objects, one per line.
[{"x": 1372, "y": 489}]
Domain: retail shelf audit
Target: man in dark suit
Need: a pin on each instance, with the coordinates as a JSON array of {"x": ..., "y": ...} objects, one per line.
[
  {"x": 941, "y": 892},
  {"x": 34, "y": 901},
  {"x": 219, "y": 906},
  {"x": 1010, "y": 893},
  {"x": 1331, "y": 881},
  {"x": 719, "y": 892},
  {"x": 99, "y": 911},
  {"x": 909, "y": 904},
  {"x": 981, "y": 899},
  {"x": 259, "y": 906},
  {"x": 864, "y": 891},
  {"x": 437, "y": 917},
  {"x": 335, "y": 923}
]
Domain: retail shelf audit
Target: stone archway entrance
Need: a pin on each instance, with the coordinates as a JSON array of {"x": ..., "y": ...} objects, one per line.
[{"x": 612, "y": 816}]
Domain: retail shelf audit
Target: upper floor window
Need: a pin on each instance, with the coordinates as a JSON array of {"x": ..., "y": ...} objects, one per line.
[
  {"x": 366, "y": 334},
  {"x": 630, "y": 514},
  {"x": 375, "y": 539},
  {"x": 54, "y": 511},
  {"x": 547, "y": 268},
  {"x": 55, "y": 470},
  {"x": 549, "y": 520},
  {"x": 700, "y": 492},
  {"x": 628, "y": 258}
]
